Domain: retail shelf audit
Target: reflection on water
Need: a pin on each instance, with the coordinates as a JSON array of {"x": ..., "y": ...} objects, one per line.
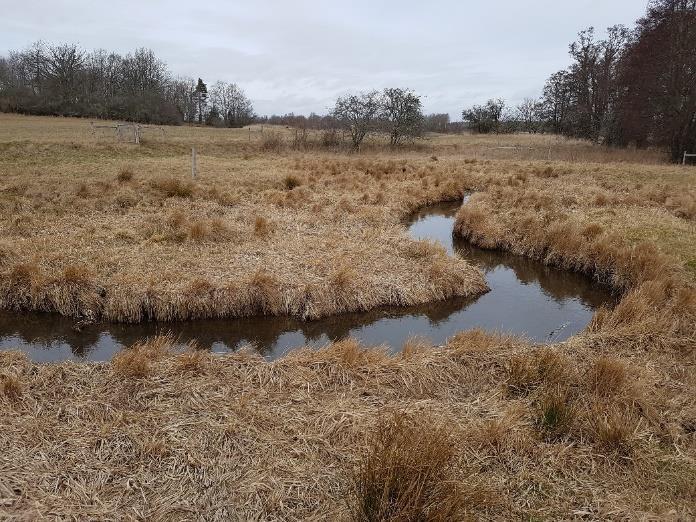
[{"x": 526, "y": 298}]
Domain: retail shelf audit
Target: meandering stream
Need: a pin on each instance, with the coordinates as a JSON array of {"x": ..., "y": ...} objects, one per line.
[{"x": 542, "y": 303}]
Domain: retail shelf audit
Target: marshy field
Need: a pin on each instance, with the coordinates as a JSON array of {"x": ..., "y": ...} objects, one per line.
[{"x": 484, "y": 425}]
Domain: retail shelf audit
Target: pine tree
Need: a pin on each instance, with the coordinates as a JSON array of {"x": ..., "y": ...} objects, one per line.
[{"x": 201, "y": 97}]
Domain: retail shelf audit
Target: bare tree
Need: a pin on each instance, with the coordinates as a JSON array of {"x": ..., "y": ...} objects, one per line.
[
  {"x": 401, "y": 115},
  {"x": 557, "y": 100},
  {"x": 200, "y": 94},
  {"x": 181, "y": 92},
  {"x": 359, "y": 114},
  {"x": 65, "y": 73},
  {"x": 232, "y": 104},
  {"x": 485, "y": 118},
  {"x": 529, "y": 114},
  {"x": 657, "y": 84},
  {"x": 437, "y": 122}
]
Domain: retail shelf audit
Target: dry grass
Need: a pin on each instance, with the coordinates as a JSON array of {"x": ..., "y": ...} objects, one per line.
[
  {"x": 144, "y": 239},
  {"x": 346, "y": 432},
  {"x": 602, "y": 426},
  {"x": 125, "y": 175},
  {"x": 292, "y": 182},
  {"x": 406, "y": 473}
]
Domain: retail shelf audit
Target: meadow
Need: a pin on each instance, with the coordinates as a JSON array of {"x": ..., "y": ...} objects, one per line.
[{"x": 488, "y": 426}]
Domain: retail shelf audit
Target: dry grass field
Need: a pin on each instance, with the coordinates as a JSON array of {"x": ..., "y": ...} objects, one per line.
[{"x": 602, "y": 426}]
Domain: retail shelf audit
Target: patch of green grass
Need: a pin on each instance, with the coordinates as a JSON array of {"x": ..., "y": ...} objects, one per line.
[{"x": 691, "y": 266}]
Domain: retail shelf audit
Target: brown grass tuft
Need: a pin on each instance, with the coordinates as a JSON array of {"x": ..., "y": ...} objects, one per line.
[
  {"x": 592, "y": 230},
  {"x": 405, "y": 474},
  {"x": 556, "y": 414},
  {"x": 174, "y": 187},
  {"x": 290, "y": 182},
  {"x": 415, "y": 346},
  {"x": 262, "y": 226},
  {"x": 527, "y": 372},
  {"x": 82, "y": 190},
  {"x": 422, "y": 249},
  {"x": 136, "y": 361},
  {"x": 125, "y": 175},
  {"x": 343, "y": 277},
  {"x": 199, "y": 231},
  {"x": 11, "y": 387},
  {"x": 76, "y": 275},
  {"x": 479, "y": 340},
  {"x": 25, "y": 273},
  {"x": 191, "y": 362},
  {"x": 606, "y": 376},
  {"x": 613, "y": 428}
]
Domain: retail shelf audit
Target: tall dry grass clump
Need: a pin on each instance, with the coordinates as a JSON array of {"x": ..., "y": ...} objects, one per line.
[
  {"x": 174, "y": 187},
  {"x": 125, "y": 175},
  {"x": 406, "y": 473},
  {"x": 136, "y": 362},
  {"x": 292, "y": 182},
  {"x": 11, "y": 387}
]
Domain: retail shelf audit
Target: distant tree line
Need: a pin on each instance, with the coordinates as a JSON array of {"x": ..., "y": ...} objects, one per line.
[
  {"x": 635, "y": 87},
  {"x": 394, "y": 112},
  {"x": 439, "y": 123},
  {"x": 65, "y": 80}
]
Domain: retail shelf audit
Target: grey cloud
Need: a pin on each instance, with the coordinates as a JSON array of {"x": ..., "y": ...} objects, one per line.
[{"x": 298, "y": 56}]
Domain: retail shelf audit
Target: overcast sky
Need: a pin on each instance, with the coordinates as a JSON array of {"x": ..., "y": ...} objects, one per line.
[{"x": 297, "y": 56}]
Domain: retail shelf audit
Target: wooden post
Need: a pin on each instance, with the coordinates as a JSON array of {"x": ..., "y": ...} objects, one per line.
[{"x": 193, "y": 162}]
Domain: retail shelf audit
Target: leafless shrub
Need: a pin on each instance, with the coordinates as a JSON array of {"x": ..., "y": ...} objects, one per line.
[
  {"x": 272, "y": 142},
  {"x": 330, "y": 138}
]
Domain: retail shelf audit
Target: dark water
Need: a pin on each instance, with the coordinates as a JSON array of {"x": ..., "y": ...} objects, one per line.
[{"x": 526, "y": 298}]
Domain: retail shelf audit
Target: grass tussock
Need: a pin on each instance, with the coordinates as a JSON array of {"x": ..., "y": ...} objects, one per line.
[
  {"x": 557, "y": 414},
  {"x": 136, "y": 362},
  {"x": 262, "y": 226},
  {"x": 11, "y": 387},
  {"x": 290, "y": 182},
  {"x": 125, "y": 175},
  {"x": 405, "y": 474},
  {"x": 174, "y": 187}
]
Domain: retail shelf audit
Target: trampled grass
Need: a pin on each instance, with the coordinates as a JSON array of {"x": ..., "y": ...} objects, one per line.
[{"x": 488, "y": 426}]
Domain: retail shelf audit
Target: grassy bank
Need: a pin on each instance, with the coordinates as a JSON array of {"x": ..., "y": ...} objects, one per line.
[
  {"x": 602, "y": 426},
  {"x": 108, "y": 230}
]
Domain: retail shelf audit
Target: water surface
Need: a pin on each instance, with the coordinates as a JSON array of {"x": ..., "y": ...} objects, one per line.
[{"x": 526, "y": 297}]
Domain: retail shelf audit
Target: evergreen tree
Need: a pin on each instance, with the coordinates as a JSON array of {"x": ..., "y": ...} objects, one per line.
[{"x": 201, "y": 97}]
